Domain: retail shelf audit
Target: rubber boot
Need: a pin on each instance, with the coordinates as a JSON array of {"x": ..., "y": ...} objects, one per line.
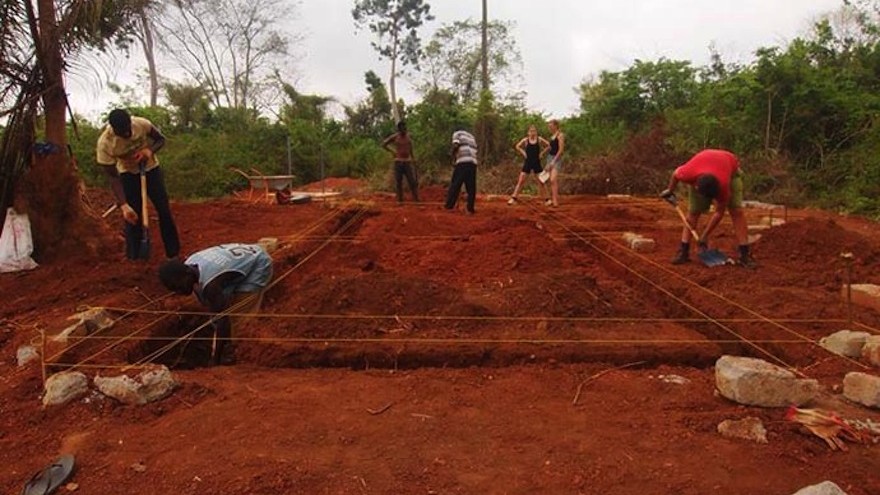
[
  {"x": 683, "y": 254},
  {"x": 745, "y": 258}
]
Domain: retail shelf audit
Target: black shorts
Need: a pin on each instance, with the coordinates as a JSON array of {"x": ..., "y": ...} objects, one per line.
[{"x": 532, "y": 167}]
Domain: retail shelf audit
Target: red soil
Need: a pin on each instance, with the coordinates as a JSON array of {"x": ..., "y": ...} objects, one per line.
[{"x": 479, "y": 417}]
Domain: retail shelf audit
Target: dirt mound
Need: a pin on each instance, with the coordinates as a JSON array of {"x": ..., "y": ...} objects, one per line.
[{"x": 813, "y": 245}]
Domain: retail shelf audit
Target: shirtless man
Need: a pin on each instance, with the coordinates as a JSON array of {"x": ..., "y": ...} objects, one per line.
[{"x": 403, "y": 161}]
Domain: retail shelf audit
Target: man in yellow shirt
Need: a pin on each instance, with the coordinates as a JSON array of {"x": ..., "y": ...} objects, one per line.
[{"x": 125, "y": 143}]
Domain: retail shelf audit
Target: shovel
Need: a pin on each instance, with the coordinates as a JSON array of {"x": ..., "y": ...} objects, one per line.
[
  {"x": 144, "y": 248},
  {"x": 709, "y": 257}
]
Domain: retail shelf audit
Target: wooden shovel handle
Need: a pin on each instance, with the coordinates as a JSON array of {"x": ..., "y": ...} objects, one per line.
[
  {"x": 144, "y": 218},
  {"x": 686, "y": 224}
]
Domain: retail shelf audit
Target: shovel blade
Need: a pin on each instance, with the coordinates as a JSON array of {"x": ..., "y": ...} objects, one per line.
[
  {"x": 713, "y": 257},
  {"x": 144, "y": 247}
]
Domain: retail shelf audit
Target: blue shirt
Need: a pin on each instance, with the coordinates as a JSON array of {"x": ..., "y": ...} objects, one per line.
[{"x": 248, "y": 260}]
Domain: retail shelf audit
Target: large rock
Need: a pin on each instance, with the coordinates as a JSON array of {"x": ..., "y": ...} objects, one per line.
[
  {"x": 867, "y": 295},
  {"x": 87, "y": 323},
  {"x": 638, "y": 243},
  {"x": 845, "y": 343},
  {"x": 149, "y": 386},
  {"x": 26, "y": 354},
  {"x": 746, "y": 429},
  {"x": 64, "y": 387},
  {"x": 756, "y": 382},
  {"x": 862, "y": 388},
  {"x": 871, "y": 350},
  {"x": 823, "y": 488}
]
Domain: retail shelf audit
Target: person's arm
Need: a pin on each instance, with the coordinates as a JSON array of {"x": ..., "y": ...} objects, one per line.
[
  {"x": 218, "y": 301},
  {"x": 128, "y": 212},
  {"x": 668, "y": 194},
  {"x": 157, "y": 142},
  {"x": 673, "y": 182},
  {"x": 387, "y": 142},
  {"x": 455, "y": 147},
  {"x": 545, "y": 147},
  {"x": 519, "y": 147},
  {"x": 713, "y": 222}
]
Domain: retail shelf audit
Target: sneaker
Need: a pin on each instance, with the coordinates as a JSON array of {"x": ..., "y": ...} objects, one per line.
[
  {"x": 747, "y": 262},
  {"x": 681, "y": 257},
  {"x": 512, "y": 200},
  {"x": 548, "y": 202}
]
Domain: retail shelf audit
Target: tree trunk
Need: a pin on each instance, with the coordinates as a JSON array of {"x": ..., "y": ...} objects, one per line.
[
  {"x": 392, "y": 81},
  {"x": 484, "y": 49},
  {"x": 769, "y": 120},
  {"x": 50, "y": 191},
  {"x": 148, "y": 44}
]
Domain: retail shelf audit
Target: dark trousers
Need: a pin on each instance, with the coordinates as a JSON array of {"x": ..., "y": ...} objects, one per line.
[
  {"x": 131, "y": 186},
  {"x": 401, "y": 170},
  {"x": 465, "y": 173}
]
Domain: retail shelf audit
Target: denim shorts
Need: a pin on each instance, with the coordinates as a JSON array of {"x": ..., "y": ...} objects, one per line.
[{"x": 558, "y": 163}]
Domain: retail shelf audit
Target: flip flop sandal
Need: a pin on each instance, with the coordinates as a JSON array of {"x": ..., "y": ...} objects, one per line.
[{"x": 49, "y": 479}]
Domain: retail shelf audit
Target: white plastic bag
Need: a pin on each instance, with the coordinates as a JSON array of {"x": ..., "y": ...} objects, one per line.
[
  {"x": 16, "y": 244},
  {"x": 544, "y": 176}
]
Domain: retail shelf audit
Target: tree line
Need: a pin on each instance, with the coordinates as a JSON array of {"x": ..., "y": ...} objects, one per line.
[{"x": 802, "y": 115}]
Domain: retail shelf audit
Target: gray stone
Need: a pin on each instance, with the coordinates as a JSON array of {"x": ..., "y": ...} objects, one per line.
[
  {"x": 746, "y": 429},
  {"x": 26, "y": 354},
  {"x": 862, "y": 388},
  {"x": 871, "y": 350},
  {"x": 823, "y": 488},
  {"x": 845, "y": 343},
  {"x": 643, "y": 245},
  {"x": 64, "y": 387},
  {"x": 638, "y": 243},
  {"x": 756, "y": 382},
  {"x": 148, "y": 386}
]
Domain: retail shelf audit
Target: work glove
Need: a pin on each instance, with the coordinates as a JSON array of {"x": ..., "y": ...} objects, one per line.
[
  {"x": 129, "y": 214},
  {"x": 826, "y": 425},
  {"x": 669, "y": 196}
]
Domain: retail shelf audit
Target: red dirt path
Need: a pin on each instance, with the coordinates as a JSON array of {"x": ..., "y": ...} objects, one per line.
[{"x": 484, "y": 417}]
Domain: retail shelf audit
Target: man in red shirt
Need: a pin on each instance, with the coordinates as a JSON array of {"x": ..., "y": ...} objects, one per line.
[{"x": 714, "y": 177}]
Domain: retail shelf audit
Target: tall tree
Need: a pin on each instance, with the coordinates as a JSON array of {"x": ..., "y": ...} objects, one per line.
[
  {"x": 371, "y": 117},
  {"x": 396, "y": 24},
  {"x": 146, "y": 35},
  {"x": 453, "y": 59},
  {"x": 231, "y": 47},
  {"x": 484, "y": 46}
]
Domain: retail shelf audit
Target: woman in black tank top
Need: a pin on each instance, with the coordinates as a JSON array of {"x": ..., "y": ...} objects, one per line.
[
  {"x": 532, "y": 148},
  {"x": 554, "y": 160}
]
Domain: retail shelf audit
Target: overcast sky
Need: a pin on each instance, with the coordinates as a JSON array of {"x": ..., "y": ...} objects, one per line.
[{"x": 561, "y": 41}]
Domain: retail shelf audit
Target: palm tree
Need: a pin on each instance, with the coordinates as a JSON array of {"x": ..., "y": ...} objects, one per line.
[{"x": 34, "y": 48}]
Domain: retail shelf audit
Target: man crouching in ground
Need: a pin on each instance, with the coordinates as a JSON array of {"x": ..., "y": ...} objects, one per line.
[
  {"x": 714, "y": 176},
  {"x": 224, "y": 276}
]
